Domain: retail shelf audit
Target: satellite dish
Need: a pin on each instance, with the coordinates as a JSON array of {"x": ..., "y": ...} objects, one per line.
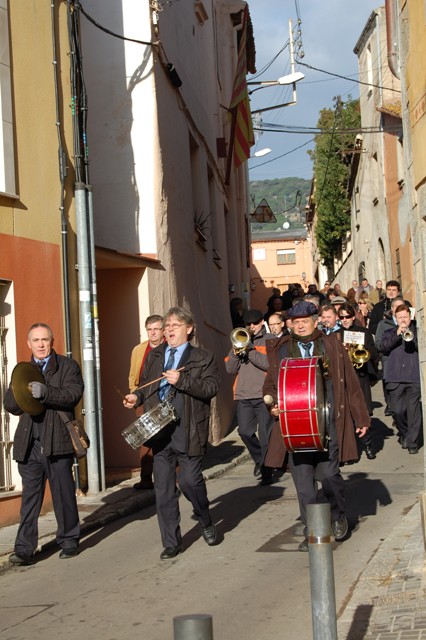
[{"x": 286, "y": 225}]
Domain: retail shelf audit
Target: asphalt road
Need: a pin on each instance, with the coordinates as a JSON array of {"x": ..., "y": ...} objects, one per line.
[{"x": 254, "y": 583}]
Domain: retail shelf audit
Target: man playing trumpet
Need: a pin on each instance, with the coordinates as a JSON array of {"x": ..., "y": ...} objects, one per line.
[
  {"x": 249, "y": 364},
  {"x": 402, "y": 376}
]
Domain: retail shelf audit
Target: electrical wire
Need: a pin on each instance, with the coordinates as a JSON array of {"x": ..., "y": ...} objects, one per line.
[
  {"x": 271, "y": 62},
  {"x": 287, "y": 153},
  {"x": 112, "y": 33},
  {"x": 337, "y": 75}
]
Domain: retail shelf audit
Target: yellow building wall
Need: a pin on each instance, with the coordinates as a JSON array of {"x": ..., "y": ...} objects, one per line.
[{"x": 416, "y": 87}]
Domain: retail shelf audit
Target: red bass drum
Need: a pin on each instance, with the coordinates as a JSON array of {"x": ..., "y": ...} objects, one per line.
[{"x": 302, "y": 404}]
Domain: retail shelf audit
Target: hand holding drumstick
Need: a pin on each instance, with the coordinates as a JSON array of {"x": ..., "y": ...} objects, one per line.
[{"x": 172, "y": 376}]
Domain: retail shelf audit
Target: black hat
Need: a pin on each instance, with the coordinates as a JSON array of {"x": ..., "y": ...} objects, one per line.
[
  {"x": 253, "y": 316},
  {"x": 302, "y": 309}
]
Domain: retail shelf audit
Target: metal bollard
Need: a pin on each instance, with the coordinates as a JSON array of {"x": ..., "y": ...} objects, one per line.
[
  {"x": 198, "y": 626},
  {"x": 323, "y": 597}
]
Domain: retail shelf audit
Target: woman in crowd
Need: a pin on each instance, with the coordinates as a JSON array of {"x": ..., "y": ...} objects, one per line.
[{"x": 365, "y": 307}]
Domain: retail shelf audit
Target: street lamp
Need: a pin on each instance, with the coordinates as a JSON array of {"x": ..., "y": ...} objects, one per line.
[
  {"x": 291, "y": 78},
  {"x": 261, "y": 153}
]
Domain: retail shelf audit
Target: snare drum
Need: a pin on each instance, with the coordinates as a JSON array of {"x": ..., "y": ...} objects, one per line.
[
  {"x": 302, "y": 404},
  {"x": 149, "y": 424}
]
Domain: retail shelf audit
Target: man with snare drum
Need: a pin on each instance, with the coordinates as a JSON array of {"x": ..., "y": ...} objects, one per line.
[
  {"x": 188, "y": 378},
  {"x": 347, "y": 415}
]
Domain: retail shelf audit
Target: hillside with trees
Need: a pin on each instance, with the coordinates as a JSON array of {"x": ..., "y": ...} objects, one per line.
[{"x": 287, "y": 198}]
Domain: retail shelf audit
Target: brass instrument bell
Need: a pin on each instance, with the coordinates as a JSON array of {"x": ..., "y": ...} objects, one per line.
[
  {"x": 407, "y": 335},
  {"x": 358, "y": 355},
  {"x": 240, "y": 339}
]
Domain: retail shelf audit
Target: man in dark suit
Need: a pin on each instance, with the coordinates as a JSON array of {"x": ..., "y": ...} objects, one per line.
[
  {"x": 43, "y": 449},
  {"x": 190, "y": 379}
]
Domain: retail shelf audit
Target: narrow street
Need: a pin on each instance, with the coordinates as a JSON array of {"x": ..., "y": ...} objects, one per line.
[{"x": 254, "y": 583}]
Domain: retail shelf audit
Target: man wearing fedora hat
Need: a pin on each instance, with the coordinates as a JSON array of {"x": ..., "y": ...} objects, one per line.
[
  {"x": 347, "y": 416},
  {"x": 249, "y": 365}
]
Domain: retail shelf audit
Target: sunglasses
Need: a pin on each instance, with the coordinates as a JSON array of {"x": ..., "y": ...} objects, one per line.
[{"x": 343, "y": 317}]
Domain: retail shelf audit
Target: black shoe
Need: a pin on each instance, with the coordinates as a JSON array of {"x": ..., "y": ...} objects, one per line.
[
  {"x": 303, "y": 546},
  {"x": 388, "y": 411},
  {"x": 403, "y": 443},
  {"x": 340, "y": 528},
  {"x": 267, "y": 479},
  {"x": 257, "y": 471},
  {"x": 69, "y": 553},
  {"x": 170, "y": 552},
  {"x": 22, "y": 560},
  {"x": 369, "y": 452},
  {"x": 209, "y": 533},
  {"x": 143, "y": 485},
  {"x": 413, "y": 449}
]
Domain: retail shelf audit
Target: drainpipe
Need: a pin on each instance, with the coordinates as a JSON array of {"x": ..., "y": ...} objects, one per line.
[
  {"x": 86, "y": 329},
  {"x": 95, "y": 318},
  {"x": 391, "y": 37}
]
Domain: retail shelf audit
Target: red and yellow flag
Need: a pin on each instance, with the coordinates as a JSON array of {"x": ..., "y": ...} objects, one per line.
[{"x": 240, "y": 105}]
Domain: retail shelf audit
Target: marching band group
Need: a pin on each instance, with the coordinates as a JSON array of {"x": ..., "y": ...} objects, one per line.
[{"x": 303, "y": 402}]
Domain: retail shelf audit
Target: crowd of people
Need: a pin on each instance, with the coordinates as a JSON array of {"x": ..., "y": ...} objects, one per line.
[
  {"x": 353, "y": 339},
  {"x": 364, "y": 335}
]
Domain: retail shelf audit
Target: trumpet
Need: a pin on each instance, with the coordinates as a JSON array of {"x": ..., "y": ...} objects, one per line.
[
  {"x": 240, "y": 339},
  {"x": 407, "y": 335},
  {"x": 358, "y": 355}
]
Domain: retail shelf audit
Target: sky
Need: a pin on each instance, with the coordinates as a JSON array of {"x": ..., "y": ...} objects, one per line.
[{"x": 330, "y": 30}]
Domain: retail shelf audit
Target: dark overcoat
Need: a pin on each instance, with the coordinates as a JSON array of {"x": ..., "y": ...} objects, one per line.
[
  {"x": 64, "y": 391},
  {"x": 198, "y": 383},
  {"x": 350, "y": 410}
]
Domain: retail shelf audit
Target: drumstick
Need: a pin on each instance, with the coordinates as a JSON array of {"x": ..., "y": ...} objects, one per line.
[
  {"x": 120, "y": 393},
  {"x": 156, "y": 380}
]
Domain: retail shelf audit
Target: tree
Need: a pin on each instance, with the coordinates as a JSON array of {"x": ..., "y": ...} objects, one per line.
[{"x": 331, "y": 171}]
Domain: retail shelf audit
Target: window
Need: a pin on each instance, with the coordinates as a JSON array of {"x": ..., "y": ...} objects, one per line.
[
  {"x": 7, "y": 156},
  {"x": 286, "y": 256},
  {"x": 259, "y": 254}
]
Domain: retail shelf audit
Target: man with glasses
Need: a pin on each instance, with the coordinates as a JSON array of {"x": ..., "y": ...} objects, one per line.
[
  {"x": 250, "y": 365},
  {"x": 188, "y": 377},
  {"x": 276, "y": 325}
]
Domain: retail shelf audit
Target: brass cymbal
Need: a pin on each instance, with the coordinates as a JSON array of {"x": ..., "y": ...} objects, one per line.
[{"x": 22, "y": 375}]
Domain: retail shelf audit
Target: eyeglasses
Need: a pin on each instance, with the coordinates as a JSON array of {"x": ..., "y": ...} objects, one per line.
[
  {"x": 361, "y": 302},
  {"x": 173, "y": 327},
  {"x": 345, "y": 317}
]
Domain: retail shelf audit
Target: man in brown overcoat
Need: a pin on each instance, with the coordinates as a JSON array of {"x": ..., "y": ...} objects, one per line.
[{"x": 346, "y": 417}]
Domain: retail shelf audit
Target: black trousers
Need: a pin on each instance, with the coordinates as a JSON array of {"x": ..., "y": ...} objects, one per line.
[
  {"x": 34, "y": 473},
  {"x": 309, "y": 468},
  {"x": 254, "y": 426},
  {"x": 192, "y": 485},
  {"x": 406, "y": 407}
]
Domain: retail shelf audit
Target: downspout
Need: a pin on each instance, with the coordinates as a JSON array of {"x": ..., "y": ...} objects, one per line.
[
  {"x": 391, "y": 37},
  {"x": 63, "y": 170}
]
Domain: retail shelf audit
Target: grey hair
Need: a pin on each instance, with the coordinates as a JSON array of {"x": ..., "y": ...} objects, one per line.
[{"x": 44, "y": 326}]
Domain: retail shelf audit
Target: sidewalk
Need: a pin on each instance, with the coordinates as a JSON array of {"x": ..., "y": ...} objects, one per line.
[
  {"x": 121, "y": 499},
  {"x": 388, "y": 601}
]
